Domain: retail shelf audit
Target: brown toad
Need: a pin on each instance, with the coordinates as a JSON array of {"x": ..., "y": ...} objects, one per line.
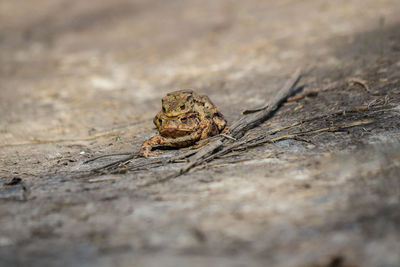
[{"x": 185, "y": 118}]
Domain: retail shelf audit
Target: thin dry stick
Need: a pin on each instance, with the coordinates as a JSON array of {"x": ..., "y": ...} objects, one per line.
[
  {"x": 107, "y": 155},
  {"x": 303, "y": 95},
  {"x": 360, "y": 82},
  {"x": 115, "y": 163}
]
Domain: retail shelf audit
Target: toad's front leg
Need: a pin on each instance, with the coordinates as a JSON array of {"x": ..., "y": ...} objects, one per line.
[
  {"x": 145, "y": 149},
  {"x": 158, "y": 140}
]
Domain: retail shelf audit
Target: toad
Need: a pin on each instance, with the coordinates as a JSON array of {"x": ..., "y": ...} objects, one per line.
[{"x": 185, "y": 118}]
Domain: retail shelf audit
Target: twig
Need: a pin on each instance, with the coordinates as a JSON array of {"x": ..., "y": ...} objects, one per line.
[
  {"x": 115, "y": 163},
  {"x": 303, "y": 95},
  {"x": 249, "y": 111},
  {"x": 360, "y": 82},
  {"x": 107, "y": 155},
  {"x": 228, "y": 136}
]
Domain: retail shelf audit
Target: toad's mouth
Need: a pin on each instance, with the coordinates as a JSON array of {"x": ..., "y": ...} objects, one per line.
[{"x": 175, "y": 132}]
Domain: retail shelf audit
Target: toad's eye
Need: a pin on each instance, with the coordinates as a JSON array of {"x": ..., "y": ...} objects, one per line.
[
  {"x": 184, "y": 119},
  {"x": 183, "y": 106},
  {"x": 163, "y": 109},
  {"x": 159, "y": 121}
]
